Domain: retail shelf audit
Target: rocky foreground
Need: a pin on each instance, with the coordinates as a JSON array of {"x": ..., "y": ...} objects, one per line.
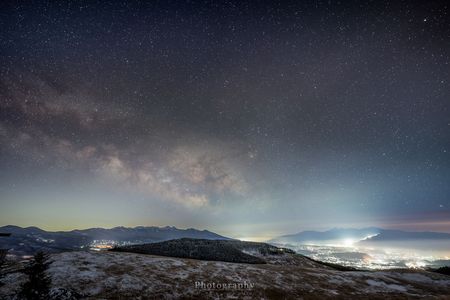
[{"x": 110, "y": 275}]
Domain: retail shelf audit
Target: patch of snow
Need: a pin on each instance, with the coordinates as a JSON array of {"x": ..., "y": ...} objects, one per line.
[
  {"x": 421, "y": 278},
  {"x": 384, "y": 285}
]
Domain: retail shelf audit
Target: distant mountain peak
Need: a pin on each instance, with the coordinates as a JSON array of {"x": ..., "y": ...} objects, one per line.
[
  {"x": 31, "y": 239},
  {"x": 368, "y": 234}
]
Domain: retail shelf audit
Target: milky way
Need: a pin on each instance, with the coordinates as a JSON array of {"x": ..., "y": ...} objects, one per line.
[{"x": 247, "y": 119}]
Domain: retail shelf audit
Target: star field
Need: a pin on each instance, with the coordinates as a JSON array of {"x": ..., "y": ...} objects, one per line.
[{"x": 246, "y": 118}]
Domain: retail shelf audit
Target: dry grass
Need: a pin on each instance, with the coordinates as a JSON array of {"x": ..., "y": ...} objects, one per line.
[{"x": 136, "y": 276}]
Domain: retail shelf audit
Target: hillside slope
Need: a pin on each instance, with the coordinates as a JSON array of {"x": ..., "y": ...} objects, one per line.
[
  {"x": 217, "y": 250},
  {"x": 112, "y": 275}
]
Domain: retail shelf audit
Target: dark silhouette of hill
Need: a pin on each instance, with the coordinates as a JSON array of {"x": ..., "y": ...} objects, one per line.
[
  {"x": 442, "y": 270},
  {"x": 215, "y": 250}
]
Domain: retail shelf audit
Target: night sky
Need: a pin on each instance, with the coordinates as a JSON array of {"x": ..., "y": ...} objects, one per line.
[{"x": 250, "y": 120}]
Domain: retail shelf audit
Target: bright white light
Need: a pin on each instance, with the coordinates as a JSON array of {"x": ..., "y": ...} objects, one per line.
[
  {"x": 416, "y": 264},
  {"x": 369, "y": 236},
  {"x": 253, "y": 238},
  {"x": 348, "y": 242}
]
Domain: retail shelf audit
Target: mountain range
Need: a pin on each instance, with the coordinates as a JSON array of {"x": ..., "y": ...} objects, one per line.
[
  {"x": 26, "y": 241},
  {"x": 363, "y": 235}
]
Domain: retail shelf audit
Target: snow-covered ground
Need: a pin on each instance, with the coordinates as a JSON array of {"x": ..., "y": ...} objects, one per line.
[{"x": 109, "y": 275}]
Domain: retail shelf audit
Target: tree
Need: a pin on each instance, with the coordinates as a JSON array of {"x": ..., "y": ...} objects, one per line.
[
  {"x": 3, "y": 258},
  {"x": 2, "y": 264},
  {"x": 38, "y": 285}
]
